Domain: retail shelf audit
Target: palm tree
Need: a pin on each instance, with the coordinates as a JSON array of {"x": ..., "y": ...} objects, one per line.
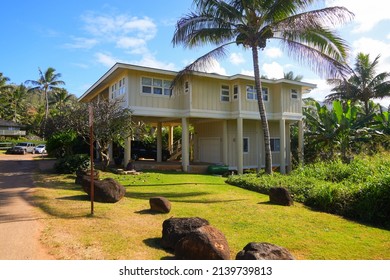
[
  {"x": 47, "y": 82},
  {"x": 251, "y": 24},
  {"x": 60, "y": 98},
  {"x": 364, "y": 84},
  {"x": 290, "y": 76},
  {"x": 17, "y": 99}
]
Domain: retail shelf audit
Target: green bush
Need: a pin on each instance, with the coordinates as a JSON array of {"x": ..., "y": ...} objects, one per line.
[
  {"x": 359, "y": 190},
  {"x": 71, "y": 163},
  {"x": 60, "y": 144}
]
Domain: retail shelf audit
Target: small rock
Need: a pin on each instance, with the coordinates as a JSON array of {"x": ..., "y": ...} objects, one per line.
[
  {"x": 264, "y": 251},
  {"x": 106, "y": 190},
  {"x": 280, "y": 196},
  {"x": 160, "y": 204}
]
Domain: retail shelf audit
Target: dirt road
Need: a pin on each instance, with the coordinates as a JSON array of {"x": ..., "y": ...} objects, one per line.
[{"x": 20, "y": 226}]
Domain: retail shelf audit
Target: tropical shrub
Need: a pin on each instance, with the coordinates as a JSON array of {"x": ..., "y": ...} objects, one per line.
[
  {"x": 69, "y": 164},
  {"x": 359, "y": 190}
]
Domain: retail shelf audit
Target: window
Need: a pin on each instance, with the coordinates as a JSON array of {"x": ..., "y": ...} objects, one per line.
[
  {"x": 275, "y": 144},
  {"x": 225, "y": 93},
  {"x": 119, "y": 88},
  {"x": 235, "y": 92},
  {"x": 245, "y": 144},
  {"x": 187, "y": 87},
  {"x": 155, "y": 86},
  {"x": 251, "y": 93},
  {"x": 294, "y": 94}
]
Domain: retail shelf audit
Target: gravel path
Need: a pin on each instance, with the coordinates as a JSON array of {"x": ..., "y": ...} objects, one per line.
[{"x": 20, "y": 226}]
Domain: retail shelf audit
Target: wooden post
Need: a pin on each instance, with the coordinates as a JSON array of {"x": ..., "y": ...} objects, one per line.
[{"x": 92, "y": 191}]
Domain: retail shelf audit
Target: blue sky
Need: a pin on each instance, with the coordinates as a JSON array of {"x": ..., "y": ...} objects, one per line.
[{"x": 83, "y": 39}]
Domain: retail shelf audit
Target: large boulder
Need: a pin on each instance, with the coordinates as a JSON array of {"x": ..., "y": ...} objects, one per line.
[
  {"x": 176, "y": 228},
  {"x": 264, "y": 251},
  {"x": 160, "y": 204},
  {"x": 80, "y": 173},
  {"x": 106, "y": 190},
  {"x": 280, "y": 196},
  {"x": 204, "y": 243}
]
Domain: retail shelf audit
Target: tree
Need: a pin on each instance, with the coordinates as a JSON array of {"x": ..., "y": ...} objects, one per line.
[
  {"x": 47, "y": 83},
  {"x": 251, "y": 24},
  {"x": 59, "y": 99},
  {"x": 290, "y": 76},
  {"x": 363, "y": 85},
  {"x": 111, "y": 123}
]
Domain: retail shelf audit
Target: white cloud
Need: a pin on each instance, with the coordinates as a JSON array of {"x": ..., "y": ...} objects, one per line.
[
  {"x": 323, "y": 89},
  {"x": 273, "y": 70},
  {"x": 374, "y": 48},
  {"x": 81, "y": 43},
  {"x": 215, "y": 67},
  {"x": 273, "y": 52},
  {"x": 148, "y": 60},
  {"x": 106, "y": 59},
  {"x": 248, "y": 72},
  {"x": 236, "y": 58},
  {"x": 125, "y": 32},
  {"x": 367, "y": 14}
]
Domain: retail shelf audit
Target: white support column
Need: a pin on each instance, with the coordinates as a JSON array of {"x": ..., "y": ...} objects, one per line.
[
  {"x": 288, "y": 149},
  {"x": 159, "y": 142},
  {"x": 300, "y": 143},
  {"x": 282, "y": 126},
  {"x": 127, "y": 152},
  {"x": 185, "y": 155},
  {"x": 239, "y": 142},
  {"x": 170, "y": 139},
  {"x": 225, "y": 160}
]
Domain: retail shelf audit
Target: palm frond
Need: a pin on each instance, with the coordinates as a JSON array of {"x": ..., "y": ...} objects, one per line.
[{"x": 199, "y": 65}]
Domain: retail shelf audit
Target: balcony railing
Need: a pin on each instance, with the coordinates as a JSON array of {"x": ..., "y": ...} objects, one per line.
[{"x": 12, "y": 132}]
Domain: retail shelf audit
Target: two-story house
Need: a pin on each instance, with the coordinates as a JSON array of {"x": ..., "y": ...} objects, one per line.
[{"x": 222, "y": 110}]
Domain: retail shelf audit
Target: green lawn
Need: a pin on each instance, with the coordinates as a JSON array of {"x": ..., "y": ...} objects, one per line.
[{"x": 127, "y": 230}]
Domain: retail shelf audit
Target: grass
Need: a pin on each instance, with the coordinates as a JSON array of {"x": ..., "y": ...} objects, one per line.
[{"x": 128, "y": 230}]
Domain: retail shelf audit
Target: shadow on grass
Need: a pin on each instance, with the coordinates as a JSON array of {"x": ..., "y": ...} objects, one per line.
[
  {"x": 149, "y": 212},
  {"x": 180, "y": 197},
  {"x": 155, "y": 244},
  {"x": 172, "y": 184},
  {"x": 81, "y": 197}
]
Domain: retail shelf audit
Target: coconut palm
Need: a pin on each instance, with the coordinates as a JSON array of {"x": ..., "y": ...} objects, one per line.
[
  {"x": 290, "y": 76},
  {"x": 60, "y": 98},
  {"x": 364, "y": 84},
  {"x": 303, "y": 34},
  {"x": 47, "y": 82}
]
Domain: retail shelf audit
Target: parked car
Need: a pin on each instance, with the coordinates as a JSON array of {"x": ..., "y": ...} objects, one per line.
[
  {"x": 22, "y": 148},
  {"x": 40, "y": 149},
  {"x": 140, "y": 149}
]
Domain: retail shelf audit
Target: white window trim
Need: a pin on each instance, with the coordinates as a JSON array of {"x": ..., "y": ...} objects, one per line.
[
  {"x": 152, "y": 94},
  {"x": 296, "y": 92},
  {"x": 243, "y": 140},
  {"x": 236, "y": 96},
  {"x": 255, "y": 94},
  {"x": 275, "y": 138},
  {"x": 119, "y": 88},
  {"x": 224, "y": 95}
]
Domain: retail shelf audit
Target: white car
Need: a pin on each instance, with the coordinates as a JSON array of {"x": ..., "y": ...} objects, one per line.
[{"x": 40, "y": 149}]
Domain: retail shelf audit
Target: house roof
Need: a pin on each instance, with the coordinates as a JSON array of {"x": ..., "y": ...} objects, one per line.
[
  {"x": 9, "y": 123},
  {"x": 118, "y": 67}
]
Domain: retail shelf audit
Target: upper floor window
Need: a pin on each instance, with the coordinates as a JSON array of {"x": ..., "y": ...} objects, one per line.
[
  {"x": 251, "y": 93},
  {"x": 119, "y": 88},
  {"x": 225, "y": 93},
  {"x": 156, "y": 86},
  {"x": 187, "y": 87},
  {"x": 275, "y": 144},
  {"x": 294, "y": 94},
  {"x": 235, "y": 92}
]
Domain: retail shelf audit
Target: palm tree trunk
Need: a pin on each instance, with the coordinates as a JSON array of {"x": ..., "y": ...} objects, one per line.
[{"x": 263, "y": 115}]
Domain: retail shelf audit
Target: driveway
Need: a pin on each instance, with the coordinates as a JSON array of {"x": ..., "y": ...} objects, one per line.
[{"x": 20, "y": 227}]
